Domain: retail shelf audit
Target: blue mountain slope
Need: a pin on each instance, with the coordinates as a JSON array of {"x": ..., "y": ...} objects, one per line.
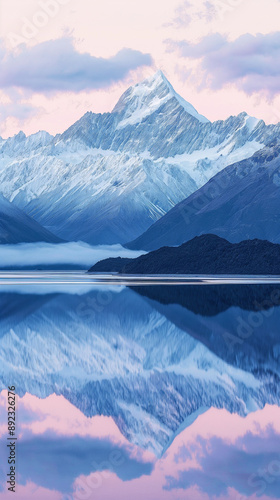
[
  {"x": 17, "y": 227},
  {"x": 241, "y": 202}
]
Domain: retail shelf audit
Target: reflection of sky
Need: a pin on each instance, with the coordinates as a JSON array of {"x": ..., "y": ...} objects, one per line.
[{"x": 62, "y": 454}]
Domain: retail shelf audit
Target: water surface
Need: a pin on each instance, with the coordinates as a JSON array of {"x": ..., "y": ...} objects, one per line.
[{"x": 168, "y": 386}]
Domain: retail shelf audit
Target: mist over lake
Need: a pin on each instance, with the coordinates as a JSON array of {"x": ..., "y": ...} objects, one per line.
[{"x": 76, "y": 255}]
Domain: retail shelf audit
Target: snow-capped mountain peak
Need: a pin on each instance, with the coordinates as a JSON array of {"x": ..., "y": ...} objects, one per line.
[{"x": 146, "y": 97}]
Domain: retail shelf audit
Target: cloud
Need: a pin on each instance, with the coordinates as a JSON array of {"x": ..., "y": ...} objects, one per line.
[
  {"x": 56, "y": 65},
  {"x": 250, "y": 465},
  {"x": 15, "y": 105},
  {"x": 192, "y": 12},
  {"x": 250, "y": 62}
]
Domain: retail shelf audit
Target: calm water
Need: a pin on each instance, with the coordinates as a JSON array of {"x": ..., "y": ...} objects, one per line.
[{"x": 141, "y": 388}]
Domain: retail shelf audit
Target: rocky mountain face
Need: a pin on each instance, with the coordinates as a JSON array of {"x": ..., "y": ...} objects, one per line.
[
  {"x": 110, "y": 176},
  {"x": 129, "y": 357},
  {"x": 241, "y": 202}
]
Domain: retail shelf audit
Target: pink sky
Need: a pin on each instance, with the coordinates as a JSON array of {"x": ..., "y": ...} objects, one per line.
[{"x": 104, "y": 28}]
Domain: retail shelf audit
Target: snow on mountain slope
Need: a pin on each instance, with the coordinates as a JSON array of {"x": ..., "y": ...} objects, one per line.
[
  {"x": 17, "y": 227},
  {"x": 110, "y": 176},
  {"x": 103, "y": 199},
  {"x": 241, "y": 202},
  {"x": 130, "y": 362},
  {"x": 144, "y": 99},
  {"x": 20, "y": 144}
]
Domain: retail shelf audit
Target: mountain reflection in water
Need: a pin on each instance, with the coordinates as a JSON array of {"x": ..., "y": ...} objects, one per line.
[{"x": 154, "y": 364}]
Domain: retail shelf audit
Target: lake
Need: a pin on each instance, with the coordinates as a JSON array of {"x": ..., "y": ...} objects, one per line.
[{"x": 141, "y": 387}]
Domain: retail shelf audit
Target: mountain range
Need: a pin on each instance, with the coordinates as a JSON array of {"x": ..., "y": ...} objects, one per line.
[{"x": 110, "y": 177}]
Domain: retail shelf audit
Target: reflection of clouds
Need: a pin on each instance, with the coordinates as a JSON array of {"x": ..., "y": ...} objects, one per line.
[
  {"x": 55, "y": 462},
  {"x": 220, "y": 456},
  {"x": 55, "y": 414},
  {"x": 32, "y": 490},
  {"x": 58, "y": 443},
  {"x": 236, "y": 465}
]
